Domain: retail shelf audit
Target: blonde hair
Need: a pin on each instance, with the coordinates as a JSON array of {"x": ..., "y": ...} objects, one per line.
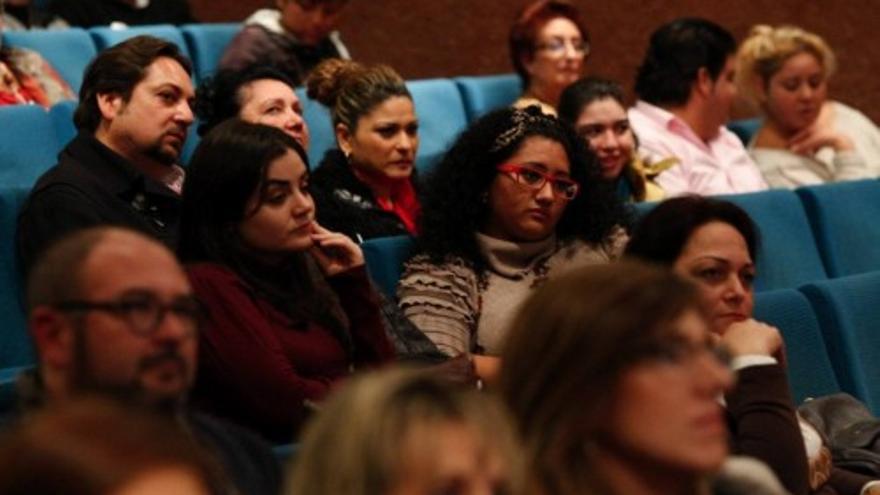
[
  {"x": 766, "y": 49},
  {"x": 351, "y": 90},
  {"x": 354, "y": 445}
]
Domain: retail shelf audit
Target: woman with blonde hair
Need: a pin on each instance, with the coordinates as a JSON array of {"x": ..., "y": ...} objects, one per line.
[
  {"x": 805, "y": 138},
  {"x": 406, "y": 432},
  {"x": 364, "y": 188}
]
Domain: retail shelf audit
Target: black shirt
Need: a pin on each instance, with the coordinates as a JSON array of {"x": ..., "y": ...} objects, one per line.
[{"x": 92, "y": 185}]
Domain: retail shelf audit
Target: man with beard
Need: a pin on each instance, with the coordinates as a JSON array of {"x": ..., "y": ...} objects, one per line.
[
  {"x": 112, "y": 314},
  {"x": 121, "y": 169}
]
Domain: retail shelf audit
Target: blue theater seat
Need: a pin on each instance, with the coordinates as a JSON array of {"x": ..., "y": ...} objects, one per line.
[
  {"x": 809, "y": 367},
  {"x": 15, "y": 344},
  {"x": 848, "y": 310},
  {"x": 206, "y": 43},
  {"x": 105, "y": 37},
  {"x": 61, "y": 115},
  {"x": 788, "y": 256},
  {"x": 482, "y": 94},
  {"x": 442, "y": 117},
  {"x": 844, "y": 216},
  {"x": 321, "y": 135},
  {"x": 32, "y": 150},
  {"x": 68, "y": 50},
  {"x": 385, "y": 257},
  {"x": 745, "y": 128}
]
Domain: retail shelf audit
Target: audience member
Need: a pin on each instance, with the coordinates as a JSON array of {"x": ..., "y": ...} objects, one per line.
[
  {"x": 259, "y": 94},
  {"x": 713, "y": 243},
  {"x": 517, "y": 200},
  {"x": 403, "y": 432},
  {"x": 121, "y": 169},
  {"x": 25, "y": 76},
  {"x": 685, "y": 87},
  {"x": 805, "y": 139},
  {"x": 119, "y": 13},
  {"x": 97, "y": 447},
  {"x": 594, "y": 107},
  {"x": 290, "y": 308},
  {"x": 295, "y": 36},
  {"x": 364, "y": 188},
  {"x": 111, "y": 313},
  {"x": 548, "y": 47},
  {"x": 613, "y": 378}
]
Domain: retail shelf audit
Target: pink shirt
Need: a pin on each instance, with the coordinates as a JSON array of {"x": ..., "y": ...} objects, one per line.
[{"x": 721, "y": 166}]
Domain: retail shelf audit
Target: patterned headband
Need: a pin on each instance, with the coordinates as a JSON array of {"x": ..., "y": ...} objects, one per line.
[{"x": 521, "y": 121}]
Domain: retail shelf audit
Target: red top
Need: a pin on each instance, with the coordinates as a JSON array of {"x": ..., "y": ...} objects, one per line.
[
  {"x": 257, "y": 366},
  {"x": 403, "y": 202}
]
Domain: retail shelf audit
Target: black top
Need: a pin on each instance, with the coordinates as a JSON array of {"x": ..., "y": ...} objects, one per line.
[
  {"x": 345, "y": 204},
  {"x": 88, "y": 13},
  {"x": 92, "y": 185}
]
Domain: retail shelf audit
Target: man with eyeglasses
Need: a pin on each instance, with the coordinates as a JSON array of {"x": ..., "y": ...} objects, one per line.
[
  {"x": 295, "y": 37},
  {"x": 111, "y": 313}
]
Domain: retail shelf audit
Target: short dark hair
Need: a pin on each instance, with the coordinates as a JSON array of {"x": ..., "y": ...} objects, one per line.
[
  {"x": 584, "y": 91},
  {"x": 454, "y": 207},
  {"x": 219, "y": 98},
  {"x": 662, "y": 234},
  {"x": 524, "y": 32},
  {"x": 676, "y": 53},
  {"x": 119, "y": 69}
]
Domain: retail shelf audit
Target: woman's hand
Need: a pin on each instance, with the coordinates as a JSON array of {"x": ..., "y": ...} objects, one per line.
[
  {"x": 753, "y": 337},
  {"x": 819, "y": 134},
  {"x": 334, "y": 252}
]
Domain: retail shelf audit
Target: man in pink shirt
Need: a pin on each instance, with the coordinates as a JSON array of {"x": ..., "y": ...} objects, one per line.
[{"x": 685, "y": 88}]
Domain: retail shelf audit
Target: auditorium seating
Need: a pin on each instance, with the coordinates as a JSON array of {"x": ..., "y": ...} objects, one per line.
[
  {"x": 384, "y": 258},
  {"x": 15, "y": 345},
  {"x": 482, "y": 94},
  {"x": 68, "y": 50},
  {"x": 105, "y": 36},
  {"x": 206, "y": 43},
  {"x": 848, "y": 310},
  {"x": 441, "y": 115},
  {"x": 33, "y": 148}
]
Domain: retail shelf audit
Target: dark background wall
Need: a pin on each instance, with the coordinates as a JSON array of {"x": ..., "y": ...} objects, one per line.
[{"x": 438, "y": 38}]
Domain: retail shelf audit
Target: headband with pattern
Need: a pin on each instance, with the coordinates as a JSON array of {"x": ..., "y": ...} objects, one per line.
[{"x": 521, "y": 120}]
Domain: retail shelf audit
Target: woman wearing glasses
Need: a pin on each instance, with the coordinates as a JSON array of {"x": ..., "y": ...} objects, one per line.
[
  {"x": 713, "y": 243},
  {"x": 291, "y": 311},
  {"x": 548, "y": 46},
  {"x": 517, "y": 200}
]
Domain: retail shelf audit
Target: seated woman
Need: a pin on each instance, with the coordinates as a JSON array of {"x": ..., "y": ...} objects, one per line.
[
  {"x": 805, "y": 138},
  {"x": 634, "y": 341},
  {"x": 517, "y": 200},
  {"x": 401, "y": 432},
  {"x": 295, "y": 36},
  {"x": 290, "y": 308},
  {"x": 713, "y": 243},
  {"x": 259, "y": 94},
  {"x": 595, "y": 108},
  {"x": 548, "y": 47},
  {"x": 26, "y": 77},
  {"x": 364, "y": 189}
]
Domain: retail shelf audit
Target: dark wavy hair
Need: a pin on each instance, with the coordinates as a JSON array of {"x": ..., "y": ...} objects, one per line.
[
  {"x": 676, "y": 53},
  {"x": 584, "y": 91},
  {"x": 453, "y": 205},
  {"x": 219, "y": 98},
  {"x": 228, "y": 166},
  {"x": 662, "y": 234}
]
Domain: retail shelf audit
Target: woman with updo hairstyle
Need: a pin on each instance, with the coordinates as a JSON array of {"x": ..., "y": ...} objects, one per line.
[
  {"x": 405, "y": 432},
  {"x": 290, "y": 309},
  {"x": 259, "y": 94},
  {"x": 364, "y": 188},
  {"x": 548, "y": 46},
  {"x": 805, "y": 138},
  {"x": 613, "y": 379},
  {"x": 516, "y": 201},
  {"x": 595, "y": 108}
]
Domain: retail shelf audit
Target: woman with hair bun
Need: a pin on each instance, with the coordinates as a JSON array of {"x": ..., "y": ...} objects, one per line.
[
  {"x": 364, "y": 188},
  {"x": 805, "y": 138}
]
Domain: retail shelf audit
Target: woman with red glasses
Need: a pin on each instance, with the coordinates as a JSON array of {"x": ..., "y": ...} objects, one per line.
[{"x": 517, "y": 200}]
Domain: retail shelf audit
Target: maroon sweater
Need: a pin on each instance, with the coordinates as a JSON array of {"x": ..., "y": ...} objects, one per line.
[{"x": 257, "y": 367}]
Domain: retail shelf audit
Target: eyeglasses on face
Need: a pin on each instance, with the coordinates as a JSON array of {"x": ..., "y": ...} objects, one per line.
[
  {"x": 557, "y": 46},
  {"x": 535, "y": 180},
  {"x": 143, "y": 311}
]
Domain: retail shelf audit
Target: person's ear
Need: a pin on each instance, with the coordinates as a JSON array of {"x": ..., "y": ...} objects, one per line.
[
  {"x": 344, "y": 138},
  {"x": 704, "y": 83},
  {"x": 53, "y": 334},
  {"x": 110, "y": 105}
]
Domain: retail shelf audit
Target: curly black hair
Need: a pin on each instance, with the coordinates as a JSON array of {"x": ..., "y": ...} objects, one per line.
[{"x": 453, "y": 202}]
